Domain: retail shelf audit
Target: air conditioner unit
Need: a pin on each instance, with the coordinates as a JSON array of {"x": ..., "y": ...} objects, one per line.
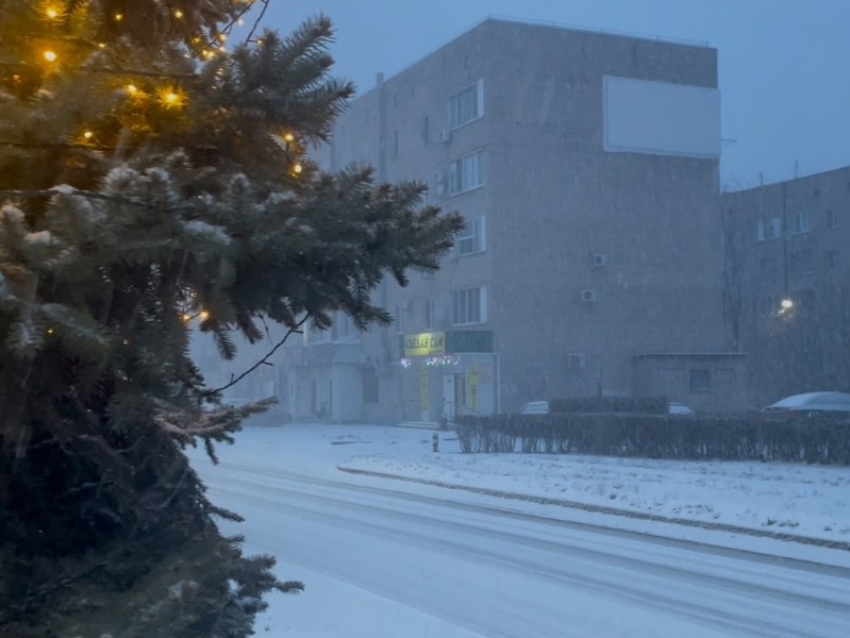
[
  {"x": 588, "y": 295},
  {"x": 444, "y": 136},
  {"x": 599, "y": 260}
]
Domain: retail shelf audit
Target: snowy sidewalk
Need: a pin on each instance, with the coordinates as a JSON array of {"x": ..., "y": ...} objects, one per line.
[{"x": 792, "y": 499}]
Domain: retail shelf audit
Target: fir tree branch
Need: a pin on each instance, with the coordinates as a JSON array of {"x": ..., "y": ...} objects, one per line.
[
  {"x": 258, "y": 20},
  {"x": 107, "y": 70},
  {"x": 263, "y": 361},
  {"x": 50, "y": 192}
]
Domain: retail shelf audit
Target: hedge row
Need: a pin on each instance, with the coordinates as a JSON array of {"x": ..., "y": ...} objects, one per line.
[
  {"x": 813, "y": 440},
  {"x": 629, "y": 405}
]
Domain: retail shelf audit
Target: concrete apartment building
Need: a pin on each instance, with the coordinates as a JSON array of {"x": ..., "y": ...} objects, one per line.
[
  {"x": 586, "y": 166},
  {"x": 788, "y": 292}
]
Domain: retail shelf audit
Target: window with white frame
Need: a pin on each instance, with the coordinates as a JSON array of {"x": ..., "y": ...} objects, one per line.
[
  {"x": 466, "y": 105},
  {"x": 802, "y": 223},
  {"x": 469, "y": 305},
  {"x": 466, "y": 173},
  {"x": 769, "y": 229},
  {"x": 471, "y": 239}
]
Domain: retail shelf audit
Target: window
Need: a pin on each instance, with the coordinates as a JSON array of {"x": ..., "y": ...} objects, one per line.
[
  {"x": 802, "y": 223},
  {"x": 808, "y": 299},
  {"x": 342, "y": 326},
  {"x": 471, "y": 239},
  {"x": 426, "y": 130},
  {"x": 700, "y": 380},
  {"x": 769, "y": 229},
  {"x": 800, "y": 261},
  {"x": 830, "y": 259},
  {"x": 829, "y": 219},
  {"x": 428, "y": 315},
  {"x": 469, "y": 306},
  {"x": 370, "y": 385},
  {"x": 466, "y": 173},
  {"x": 467, "y": 105}
]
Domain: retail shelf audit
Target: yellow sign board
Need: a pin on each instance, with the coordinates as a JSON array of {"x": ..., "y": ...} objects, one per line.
[{"x": 425, "y": 344}]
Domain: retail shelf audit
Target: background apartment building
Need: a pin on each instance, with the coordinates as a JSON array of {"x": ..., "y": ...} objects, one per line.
[
  {"x": 586, "y": 166},
  {"x": 788, "y": 283}
]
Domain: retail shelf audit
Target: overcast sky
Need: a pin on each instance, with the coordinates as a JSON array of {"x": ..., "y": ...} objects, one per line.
[{"x": 784, "y": 64}]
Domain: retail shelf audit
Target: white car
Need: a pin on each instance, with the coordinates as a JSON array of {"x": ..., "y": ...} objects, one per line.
[
  {"x": 810, "y": 403},
  {"x": 536, "y": 407},
  {"x": 679, "y": 409}
]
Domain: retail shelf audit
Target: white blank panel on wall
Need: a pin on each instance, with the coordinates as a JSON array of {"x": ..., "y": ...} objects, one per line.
[{"x": 661, "y": 118}]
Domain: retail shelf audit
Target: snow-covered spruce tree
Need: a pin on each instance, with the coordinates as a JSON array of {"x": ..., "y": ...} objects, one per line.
[{"x": 149, "y": 181}]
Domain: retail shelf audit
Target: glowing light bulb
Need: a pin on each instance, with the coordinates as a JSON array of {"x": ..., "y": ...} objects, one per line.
[
  {"x": 131, "y": 89},
  {"x": 50, "y": 56},
  {"x": 203, "y": 315},
  {"x": 187, "y": 317},
  {"x": 119, "y": 17},
  {"x": 297, "y": 169},
  {"x": 101, "y": 45},
  {"x": 289, "y": 137},
  {"x": 88, "y": 135},
  {"x": 178, "y": 14},
  {"x": 240, "y": 22},
  {"x": 52, "y": 13},
  {"x": 172, "y": 98}
]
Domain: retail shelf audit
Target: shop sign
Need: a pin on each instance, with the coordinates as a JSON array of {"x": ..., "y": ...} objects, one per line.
[{"x": 425, "y": 344}]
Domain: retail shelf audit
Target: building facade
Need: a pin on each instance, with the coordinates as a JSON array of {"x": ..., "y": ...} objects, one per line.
[
  {"x": 586, "y": 166},
  {"x": 788, "y": 283}
]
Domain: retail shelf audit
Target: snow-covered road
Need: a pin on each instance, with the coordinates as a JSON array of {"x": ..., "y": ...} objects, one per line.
[{"x": 474, "y": 569}]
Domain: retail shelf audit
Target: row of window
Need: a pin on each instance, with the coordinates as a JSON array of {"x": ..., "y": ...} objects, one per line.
[
  {"x": 801, "y": 261},
  {"x": 469, "y": 307},
  {"x": 801, "y": 223},
  {"x": 465, "y": 107}
]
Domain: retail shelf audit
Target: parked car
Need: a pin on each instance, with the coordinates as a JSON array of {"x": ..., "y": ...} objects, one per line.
[
  {"x": 811, "y": 404},
  {"x": 536, "y": 407},
  {"x": 679, "y": 409}
]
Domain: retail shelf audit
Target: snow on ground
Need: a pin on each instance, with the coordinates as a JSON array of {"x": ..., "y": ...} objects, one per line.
[
  {"x": 368, "y": 547},
  {"x": 800, "y": 499},
  {"x": 329, "y": 607},
  {"x": 791, "y": 498}
]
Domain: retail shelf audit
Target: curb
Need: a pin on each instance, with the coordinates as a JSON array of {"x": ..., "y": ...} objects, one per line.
[
  {"x": 602, "y": 509},
  {"x": 419, "y": 425}
]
